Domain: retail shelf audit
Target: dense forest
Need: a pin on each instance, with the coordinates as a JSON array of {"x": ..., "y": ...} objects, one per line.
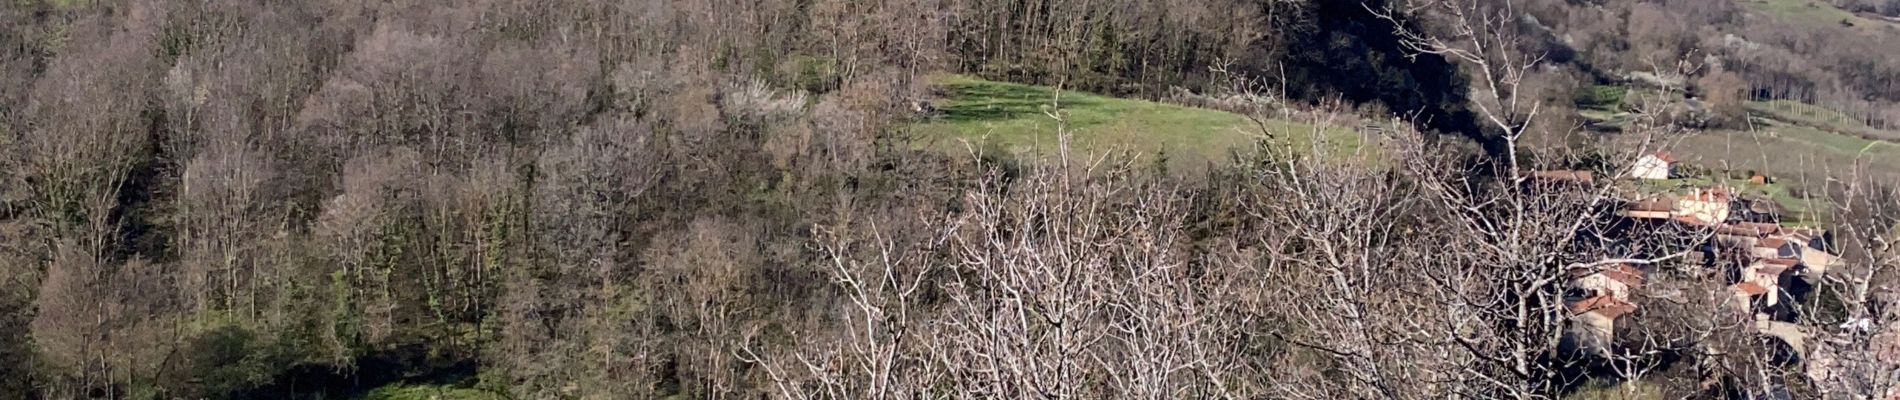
[{"x": 611, "y": 199}]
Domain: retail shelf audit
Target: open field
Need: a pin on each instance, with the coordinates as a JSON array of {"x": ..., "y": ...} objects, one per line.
[
  {"x": 1811, "y": 10},
  {"x": 1792, "y": 145},
  {"x": 1822, "y": 118},
  {"x": 1014, "y": 117},
  {"x": 1816, "y": 12},
  {"x": 1800, "y": 145}
]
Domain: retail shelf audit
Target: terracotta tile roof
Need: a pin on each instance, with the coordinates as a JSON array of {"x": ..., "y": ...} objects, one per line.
[
  {"x": 1606, "y": 306},
  {"x": 1665, "y": 156},
  {"x": 1772, "y": 243},
  {"x": 1782, "y": 262},
  {"x": 1760, "y": 227},
  {"x": 1750, "y": 288},
  {"x": 1626, "y": 274},
  {"x": 1660, "y": 203}
]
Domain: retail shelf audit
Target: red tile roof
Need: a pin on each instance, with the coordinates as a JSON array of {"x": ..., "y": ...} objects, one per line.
[
  {"x": 1626, "y": 274},
  {"x": 1665, "y": 156},
  {"x": 1605, "y": 305},
  {"x": 1662, "y": 203},
  {"x": 1750, "y": 288}
]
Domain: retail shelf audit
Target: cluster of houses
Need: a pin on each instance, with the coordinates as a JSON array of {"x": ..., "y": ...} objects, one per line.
[{"x": 1765, "y": 265}]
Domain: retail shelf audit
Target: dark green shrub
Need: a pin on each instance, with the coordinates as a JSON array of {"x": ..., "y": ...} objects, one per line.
[{"x": 1602, "y": 97}]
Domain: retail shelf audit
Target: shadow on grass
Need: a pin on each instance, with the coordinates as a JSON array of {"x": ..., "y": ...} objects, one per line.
[{"x": 977, "y": 102}]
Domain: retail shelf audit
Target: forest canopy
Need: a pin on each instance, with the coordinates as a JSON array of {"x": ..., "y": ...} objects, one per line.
[{"x": 722, "y": 199}]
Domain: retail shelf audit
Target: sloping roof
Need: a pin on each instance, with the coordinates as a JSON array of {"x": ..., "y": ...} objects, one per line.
[
  {"x": 1750, "y": 288},
  {"x": 1658, "y": 203},
  {"x": 1818, "y": 260},
  {"x": 1665, "y": 156},
  {"x": 1605, "y": 305},
  {"x": 1789, "y": 333},
  {"x": 1750, "y": 228},
  {"x": 1810, "y": 238},
  {"x": 1624, "y": 273},
  {"x": 1733, "y": 241},
  {"x": 1773, "y": 267}
]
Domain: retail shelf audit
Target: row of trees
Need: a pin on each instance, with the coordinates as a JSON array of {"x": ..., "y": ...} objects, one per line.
[
  {"x": 1882, "y": 7},
  {"x": 1724, "y": 52}
]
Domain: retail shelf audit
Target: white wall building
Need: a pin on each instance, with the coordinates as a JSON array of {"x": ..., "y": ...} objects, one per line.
[{"x": 1653, "y": 166}]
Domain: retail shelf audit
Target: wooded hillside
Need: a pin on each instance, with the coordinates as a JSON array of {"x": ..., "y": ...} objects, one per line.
[{"x": 610, "y": 199}]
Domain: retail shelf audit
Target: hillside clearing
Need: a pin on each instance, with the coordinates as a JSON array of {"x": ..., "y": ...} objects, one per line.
[
  {"x": 1014, "y": 118},
  {"x": 1788, "y": 140},
  {"x": 1802, "y": 146},
  {"x": 1814, "y": 12}
]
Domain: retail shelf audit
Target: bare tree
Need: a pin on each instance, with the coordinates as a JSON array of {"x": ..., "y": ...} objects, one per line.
[
  {"x": 1853, "y": 353},
  {"x": 1075, "y": 282}
]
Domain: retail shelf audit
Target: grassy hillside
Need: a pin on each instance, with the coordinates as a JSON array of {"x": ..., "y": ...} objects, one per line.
[
  {"x": 1014, "y": 117},
  {"x": 1810, "y": 10},
  {"x": 1822, "y": 118},
  {"x": 1814, "y": 12},
  {"x": 1802, "y": 146},
  {"x": 1795, "y": 143}
]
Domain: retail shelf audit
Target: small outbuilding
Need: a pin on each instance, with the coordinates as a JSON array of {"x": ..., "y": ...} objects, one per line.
[{"x": 1658, "y": 166}]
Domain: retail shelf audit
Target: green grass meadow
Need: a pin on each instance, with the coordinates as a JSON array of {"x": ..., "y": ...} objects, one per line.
[
  {"x": 1017, "y": 118},
  {"x": 1800, "y": 145},
  {"x": 1814, "y": 12}
]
